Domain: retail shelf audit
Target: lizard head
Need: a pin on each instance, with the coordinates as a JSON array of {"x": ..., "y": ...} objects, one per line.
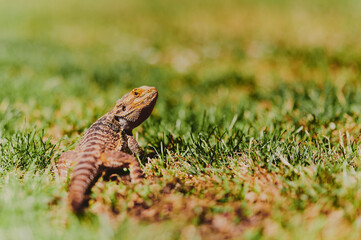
[{"x": 135, "y": 107}]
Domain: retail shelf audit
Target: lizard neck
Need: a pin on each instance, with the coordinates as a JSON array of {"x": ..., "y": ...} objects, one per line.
[{"x": 119, "y": 124}]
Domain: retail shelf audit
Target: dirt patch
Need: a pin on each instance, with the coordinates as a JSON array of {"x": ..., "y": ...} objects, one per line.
[{"x": 219, "y": 206}]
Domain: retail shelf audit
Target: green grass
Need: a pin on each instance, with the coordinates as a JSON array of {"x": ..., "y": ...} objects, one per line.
[{"x": 255, "y": 135}]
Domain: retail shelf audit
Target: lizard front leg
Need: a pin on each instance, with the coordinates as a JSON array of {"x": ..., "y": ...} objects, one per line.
[
  {"x": 134, "y": 147},
  {"x": 116, "y": 160}
]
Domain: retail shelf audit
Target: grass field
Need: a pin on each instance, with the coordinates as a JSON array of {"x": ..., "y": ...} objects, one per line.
[{"x": 256, "y": 133}]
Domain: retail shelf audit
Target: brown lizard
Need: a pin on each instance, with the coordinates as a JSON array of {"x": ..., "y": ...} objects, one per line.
[{"x": 104, "y": 146}]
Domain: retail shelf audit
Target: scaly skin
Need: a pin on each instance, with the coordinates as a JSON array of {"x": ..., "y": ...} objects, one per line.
[{"x": 105, "y": 144}]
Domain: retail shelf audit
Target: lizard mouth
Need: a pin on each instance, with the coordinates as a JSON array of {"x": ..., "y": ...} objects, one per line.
[{"x": 153, "y": 98}]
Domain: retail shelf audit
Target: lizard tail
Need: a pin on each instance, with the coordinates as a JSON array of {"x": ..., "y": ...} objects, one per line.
[{"x": 83, "y": 178}]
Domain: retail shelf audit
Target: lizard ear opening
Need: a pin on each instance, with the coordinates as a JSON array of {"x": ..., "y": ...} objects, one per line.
[{"x": 117, "y": 118}]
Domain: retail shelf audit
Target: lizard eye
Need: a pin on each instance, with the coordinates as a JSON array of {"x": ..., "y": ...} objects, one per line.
[{"x": 136, "y": 93}]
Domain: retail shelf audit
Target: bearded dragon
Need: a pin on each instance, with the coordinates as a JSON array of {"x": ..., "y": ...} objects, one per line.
[{"x": 106, "y": 145}]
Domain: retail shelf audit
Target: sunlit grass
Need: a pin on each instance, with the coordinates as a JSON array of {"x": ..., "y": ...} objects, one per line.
[{"x": 255, "y": 134}]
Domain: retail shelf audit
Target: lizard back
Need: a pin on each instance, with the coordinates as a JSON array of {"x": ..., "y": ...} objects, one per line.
[{"x": 100, "y": 137}]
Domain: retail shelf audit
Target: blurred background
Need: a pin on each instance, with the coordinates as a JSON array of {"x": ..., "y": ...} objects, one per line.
[
  {"x": 257, "y": 125},
  {"x": 64, "y": 61}
]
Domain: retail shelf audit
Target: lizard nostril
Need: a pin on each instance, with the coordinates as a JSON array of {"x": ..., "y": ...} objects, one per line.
[{"x": 124, "y": 108}]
